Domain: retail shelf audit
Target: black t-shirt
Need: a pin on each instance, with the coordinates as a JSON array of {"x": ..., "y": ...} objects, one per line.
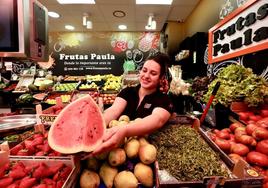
[{"x": 149, "y": 102}]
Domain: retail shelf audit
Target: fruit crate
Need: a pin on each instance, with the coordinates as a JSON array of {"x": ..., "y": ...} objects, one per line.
[
  {"x": 240, "y": 175},
  {"x": 72, "y": 166},
  {"x": 36, "y": 146}
]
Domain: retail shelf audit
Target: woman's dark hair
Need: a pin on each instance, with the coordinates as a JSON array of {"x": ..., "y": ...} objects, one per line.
[{"x": 163, "y": 60}]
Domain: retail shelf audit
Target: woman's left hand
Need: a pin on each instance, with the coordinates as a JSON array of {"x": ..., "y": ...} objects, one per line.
[{"x": 112, "y": 139}]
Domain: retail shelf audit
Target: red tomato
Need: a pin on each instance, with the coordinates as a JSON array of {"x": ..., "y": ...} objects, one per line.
[
  {"x": 240, "y": 131},
  {"x": 239, "y": 149},
  {"x": 255, "y": 117},
  {"x": 223, "y": 135},
  {"x": 263, "y": 122},
  {"x": 243, "y": 116},
  {"x": 262, "y": 147},
  {"x": 264, "y": 113},
  {"x": 226, "y": 130},
  {"x": 223, "y": 144},
  {"x": 232, "y": 137},
  {"x": 257, "y": 158},
  {"x": 250, "y": 128},
  {"x": 233, "y": 126},
  {"x": 245, "y": 139},
  {"x": 260, "y": 133}
]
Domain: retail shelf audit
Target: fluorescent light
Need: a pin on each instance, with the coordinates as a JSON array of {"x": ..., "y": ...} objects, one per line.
[
  {"x": 154, "y": 2},
  {"x": 122, "y": 27},
  {"x": 153, "y": 26},
  {"x": 89, "y": 24},
  {"x": 69, "y": 27},
  {"x": 76, "y": 1},
  {"x": 85, "y": 20},
  {"x": 53, "y": 14}
]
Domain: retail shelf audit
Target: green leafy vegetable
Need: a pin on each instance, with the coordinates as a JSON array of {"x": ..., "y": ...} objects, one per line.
[{"x": 239, "y": 82}]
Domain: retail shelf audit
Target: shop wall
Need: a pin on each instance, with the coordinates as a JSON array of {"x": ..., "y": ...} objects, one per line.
[
  {"x": 203, "y": 17},
  {"x": 81, "y": 53},
  {"x": 175, "y": 32}
]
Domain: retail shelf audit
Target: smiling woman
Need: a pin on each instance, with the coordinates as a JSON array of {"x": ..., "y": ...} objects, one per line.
[{"x": 145, "y": 102}]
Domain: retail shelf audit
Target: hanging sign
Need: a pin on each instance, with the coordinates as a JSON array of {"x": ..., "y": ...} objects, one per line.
[{"x": 243, "y": 31}]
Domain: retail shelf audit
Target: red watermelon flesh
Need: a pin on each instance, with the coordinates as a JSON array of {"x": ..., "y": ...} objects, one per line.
[{"x": 80, "y": 126}]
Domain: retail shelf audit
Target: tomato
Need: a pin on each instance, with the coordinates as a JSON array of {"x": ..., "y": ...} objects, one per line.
[
  {"x": 243, "y": 116},
  {"x": 223, "y": 144},
  {"x": 257, "y": 158},
  {"x": 262, "y": 147},
  {"x": 264, "y": 113},
  {"x": 263, "y": 122},
  {"x": 265, "y": 185},
  {"x": 232, "y": 137},
  {"x": 260, "y": 133},
  {"x": 215, "y": 131},
  {"x": 226, "y": 130},
  {"x": 240, "y": 131},
  {"x": 250, "y": 128},
  {"x": 235, "y": 157},
  {"x": 239, "y": 149},
  {"x": 255, "y": 118},
  {"x": 233, "y": 126},
  {"x": 245, "y": 139},
  {"x": 212, "y": 136},
  {"x": 223, "y": 135}
]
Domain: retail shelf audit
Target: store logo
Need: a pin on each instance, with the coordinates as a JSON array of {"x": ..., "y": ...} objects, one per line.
[{"x": 244, "y": 31}]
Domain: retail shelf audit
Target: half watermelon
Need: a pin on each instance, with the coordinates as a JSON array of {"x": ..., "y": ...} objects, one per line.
[{"x": 80, "y": 126}]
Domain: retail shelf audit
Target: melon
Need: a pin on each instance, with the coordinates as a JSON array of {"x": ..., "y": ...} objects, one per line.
[{"x": 79, "y": 127}]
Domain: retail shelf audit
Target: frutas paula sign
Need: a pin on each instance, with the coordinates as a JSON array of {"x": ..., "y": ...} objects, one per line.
[{"x": 243, "y": 31}]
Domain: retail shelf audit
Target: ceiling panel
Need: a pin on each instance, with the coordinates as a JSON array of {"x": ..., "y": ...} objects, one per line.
[{"x": 101, "y": 14}]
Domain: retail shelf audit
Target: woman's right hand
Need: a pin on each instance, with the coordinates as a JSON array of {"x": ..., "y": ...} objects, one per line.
[{"x": 112, "y": 139}]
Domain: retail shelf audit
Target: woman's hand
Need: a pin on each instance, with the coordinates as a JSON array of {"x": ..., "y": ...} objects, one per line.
[{"x": 112, "y": 139}]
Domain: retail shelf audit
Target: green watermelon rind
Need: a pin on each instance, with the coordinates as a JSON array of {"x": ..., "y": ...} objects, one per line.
[{"x": 81, "y": 147}]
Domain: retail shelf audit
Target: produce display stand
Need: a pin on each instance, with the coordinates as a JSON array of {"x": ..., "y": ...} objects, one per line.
[
  {"x": 241, "y": 174},
  {"x": 48, "y": 161}
]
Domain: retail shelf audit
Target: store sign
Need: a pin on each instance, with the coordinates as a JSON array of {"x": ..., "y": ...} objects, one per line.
[
  {"x": 243, "y": 31},
  {"x": 92, "y": 53}
]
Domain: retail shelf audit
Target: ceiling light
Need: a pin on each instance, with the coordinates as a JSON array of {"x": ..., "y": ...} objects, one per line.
[
  {"x": 69, "y": 27},
  {"x": 154, "y": 2},
  {"x": 53, "y": 14},
  {"x": 122, "y": 27},
  {"x": 76, "y": 1},
  {"x": 153, "y": 26},
  {"x": 85, "y": 16},
  {"x": 89, "y": 24}
]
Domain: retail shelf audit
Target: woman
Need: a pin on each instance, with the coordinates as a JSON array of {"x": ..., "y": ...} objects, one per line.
[{"x": 144, "y": 101}]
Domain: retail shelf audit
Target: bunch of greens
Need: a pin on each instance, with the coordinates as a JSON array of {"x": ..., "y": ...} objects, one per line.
[{"x": 238, "y": 82}]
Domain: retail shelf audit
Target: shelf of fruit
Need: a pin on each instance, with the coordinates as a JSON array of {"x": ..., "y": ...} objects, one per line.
[
  {"x": 36, "y": 145},
  {"x": 108, "y": 98},
  {"x": 65, "y": 86},
  {"x": 247, "y": 141},
  {"x": 51, "y": 98},
  {"x": 88, "y": 86},
  {"x": 36, "y": 173},
  {"x": 113, "y": 83},
  {"x": 93, "y": 94},
  {"x": 74, "y": 78}
]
